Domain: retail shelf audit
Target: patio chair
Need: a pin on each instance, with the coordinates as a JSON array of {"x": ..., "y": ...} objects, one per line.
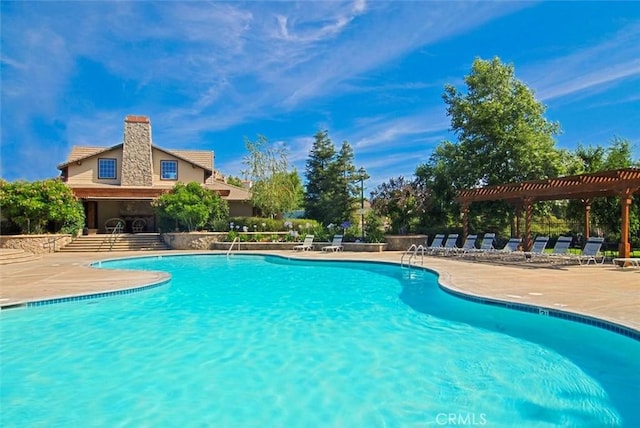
[
  {"x": 138, "y": 225},
  {"x": 307, "y": 245},
  {"x": 335, "y": 246},
  {"x": 114, "y": 223}
]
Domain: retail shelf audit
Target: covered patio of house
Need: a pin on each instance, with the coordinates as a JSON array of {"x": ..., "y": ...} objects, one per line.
[
  {"x": 131, "y": 205},
  {"x": 623, "y": 183}
]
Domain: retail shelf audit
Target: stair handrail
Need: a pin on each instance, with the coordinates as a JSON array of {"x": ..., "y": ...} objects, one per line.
[
  {"x": 234, "y": 241},
  {"x": 113, "y": 236},
  {"x": 52, "y": 241}
]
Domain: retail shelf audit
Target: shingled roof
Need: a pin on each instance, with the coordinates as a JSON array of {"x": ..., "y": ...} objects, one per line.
[{"x": 201, "y": 158}]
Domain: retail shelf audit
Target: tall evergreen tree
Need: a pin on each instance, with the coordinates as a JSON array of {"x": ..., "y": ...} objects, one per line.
[
  {"x": 330, "y": 192},
  {"x": 318, "y": 190},
  {"x": 345, "y": 190}
]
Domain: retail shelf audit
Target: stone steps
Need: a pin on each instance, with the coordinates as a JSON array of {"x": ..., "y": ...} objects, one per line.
[
  {"x": 121, "y": 242},
  {"x": 11, "y": 255}
]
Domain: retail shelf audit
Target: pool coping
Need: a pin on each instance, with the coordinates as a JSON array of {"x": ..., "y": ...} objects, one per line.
[{"x": 443, "y": 280}]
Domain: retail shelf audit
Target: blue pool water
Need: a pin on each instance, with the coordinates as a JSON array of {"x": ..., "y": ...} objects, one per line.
[{"x": 253, "y": 341}]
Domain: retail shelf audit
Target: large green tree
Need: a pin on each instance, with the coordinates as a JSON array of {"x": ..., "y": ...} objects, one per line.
[
  {"x": 605, "y": 212},
  {"x": 191, "y": 206},
  {"x": 502, "y": 134},
  {"x": 331, "y": 190},
  {"x": 41, "y": 206},
  {"x": 275, "y": 189}
]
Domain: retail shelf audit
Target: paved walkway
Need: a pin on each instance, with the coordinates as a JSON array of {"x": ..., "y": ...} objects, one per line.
[{"x": 605, "y": 292}]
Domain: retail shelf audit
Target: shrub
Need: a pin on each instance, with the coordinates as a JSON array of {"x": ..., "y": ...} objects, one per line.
[{"x": 41, "y": 206}]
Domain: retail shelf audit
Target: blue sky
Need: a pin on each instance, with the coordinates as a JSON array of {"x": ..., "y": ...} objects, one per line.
[{"x": 209, "y": 74}]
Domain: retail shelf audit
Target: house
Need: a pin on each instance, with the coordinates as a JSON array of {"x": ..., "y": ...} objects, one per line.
[{"x": 121, "y": 181}]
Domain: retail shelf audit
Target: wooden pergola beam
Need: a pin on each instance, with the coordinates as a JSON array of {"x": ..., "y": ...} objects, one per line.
[{"x": 620, "y": 182}]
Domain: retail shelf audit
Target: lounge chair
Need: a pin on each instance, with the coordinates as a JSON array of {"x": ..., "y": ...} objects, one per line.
[
  {"x": 336, "y": 245},
  {"x": 436, "y": 244},
  {"x": 626, "y": 262},
  {"x": 469, "y": 245},
  {"x": 485, "y": 246},
  {"x": 449, "y": 244},
  {"x": 509, "y": 248},
  {"x": 307, "y": 245},
  {"x": 537, "y": 249},
  {"x": 560, "y": 249},
  {"x": 590, "y": 252}
]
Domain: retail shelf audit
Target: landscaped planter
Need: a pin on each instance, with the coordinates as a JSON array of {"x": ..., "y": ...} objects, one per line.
[
  {"x": 36, "y": 244},
  {"x": 403, "y": 242},
  {"x": 365, "y": 247}
]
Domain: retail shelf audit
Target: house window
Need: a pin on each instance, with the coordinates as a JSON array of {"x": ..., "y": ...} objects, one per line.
[
  {"x": 107, "y": 168},
  {"x": 169, "y": 170}
]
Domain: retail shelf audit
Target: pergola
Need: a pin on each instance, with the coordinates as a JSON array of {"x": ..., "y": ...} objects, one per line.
[{"x": 620, "y": 182}]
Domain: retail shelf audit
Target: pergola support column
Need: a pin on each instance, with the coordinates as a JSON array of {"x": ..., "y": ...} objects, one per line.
[
  {"x": 624, "y": 249},
  {"x": 465, "y": 221},
  {"x": 587, "y": 218},
  {"x": 528, "y": 215}
]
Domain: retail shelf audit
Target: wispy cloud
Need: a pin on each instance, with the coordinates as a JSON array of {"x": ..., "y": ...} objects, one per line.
[{"x": 614, "y": 59}]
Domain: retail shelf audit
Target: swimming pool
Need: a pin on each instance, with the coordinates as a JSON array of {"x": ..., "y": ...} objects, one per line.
[{"x": 267, "y": 341}]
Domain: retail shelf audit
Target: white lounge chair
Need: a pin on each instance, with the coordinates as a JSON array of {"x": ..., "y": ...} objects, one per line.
[
  {"x": 469, "y": 245},
  {"x": 590, "y": 252},
  {"x": 485, "y": 246},
  {"x": 336, "y": 244},
  {"x": 537, "y": 249},
  {"x": 436, "y": 244},
  {"x": 626, "y": 262},
  {"x": 560, "y": 249},
  {"x": 449, "y": 244},
  {"x": 509, "y": 248},
  {"x": 307, "y": 245}
]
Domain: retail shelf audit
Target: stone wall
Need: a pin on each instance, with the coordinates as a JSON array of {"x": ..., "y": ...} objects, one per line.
[
  {"x": 36, "y": 244},
  {"x": 193, "y": 241},
  {"x": 403, "y": 242},
  {"x": 137, "y": 164}
]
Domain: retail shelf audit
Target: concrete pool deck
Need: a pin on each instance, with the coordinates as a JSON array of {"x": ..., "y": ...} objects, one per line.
[{"x": 602, "y": 291}]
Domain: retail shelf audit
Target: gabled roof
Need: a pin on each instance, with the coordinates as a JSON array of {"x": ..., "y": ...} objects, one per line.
[
  {"x": 235, "y": 193},
  {"x": 201, "y": 158}
]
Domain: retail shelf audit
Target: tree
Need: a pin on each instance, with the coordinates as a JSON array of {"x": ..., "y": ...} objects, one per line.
[
  {"x": 605, "y": 212},
  {"x": 331, "y": 182},
  {"x": 191, "y": 206},
  {"x": 235, "y": 181},
  {"x": 40, "y": 206},
  {"x": 503, "y": 137},
  {"x": 275, "y": 189},
  {"x": 318, "y": 197},
  {"x": 402, "y": 201}
]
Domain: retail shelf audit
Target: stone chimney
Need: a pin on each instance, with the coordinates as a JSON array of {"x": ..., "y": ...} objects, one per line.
[{"x": 137, "y": 165}]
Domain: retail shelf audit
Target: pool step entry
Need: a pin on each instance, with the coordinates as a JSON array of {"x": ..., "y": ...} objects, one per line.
[{"x": 121, "y": 242}]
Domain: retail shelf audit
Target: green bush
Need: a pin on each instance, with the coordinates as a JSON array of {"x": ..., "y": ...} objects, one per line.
[
  {"x": 191, "y": 207},
  {"x": 41, "y": 206}
]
